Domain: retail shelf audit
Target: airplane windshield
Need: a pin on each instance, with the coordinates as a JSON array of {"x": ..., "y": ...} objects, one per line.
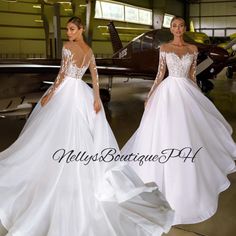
[
  {"x": 147, "y": 41},
  {"x": 163, "y": 35}
]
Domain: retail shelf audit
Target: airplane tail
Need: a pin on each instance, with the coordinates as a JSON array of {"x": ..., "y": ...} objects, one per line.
[
  {"x": 115, "y": 38},
  {"x": 192, "y": 29}
]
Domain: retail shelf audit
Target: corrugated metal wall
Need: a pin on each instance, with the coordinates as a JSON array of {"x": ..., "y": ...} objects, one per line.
[{"x": 215, "y": 18}]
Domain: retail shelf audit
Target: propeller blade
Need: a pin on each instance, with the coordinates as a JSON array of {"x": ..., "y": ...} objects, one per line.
[{"x": 230, "y": 44}]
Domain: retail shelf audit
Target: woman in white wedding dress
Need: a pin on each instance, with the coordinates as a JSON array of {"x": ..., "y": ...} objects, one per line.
[
  {"x": 183, "y": 143},
  {"x": 56, "y": 179}
]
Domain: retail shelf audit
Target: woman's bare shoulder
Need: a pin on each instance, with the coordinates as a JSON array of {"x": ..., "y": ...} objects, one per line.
[
  {"x": 164, "y": 46},
  {"x": 88, "y": 49},
  {"x": 193, "y": 48},
  {"x": 74, "y": 46},
  {"x": 67, "y": 44}
]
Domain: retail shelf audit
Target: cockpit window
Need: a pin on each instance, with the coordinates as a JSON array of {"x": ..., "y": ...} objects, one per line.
[
  {"x": 147, "y": 41},
  {"x": 163, "y": 35},
  {"x": 136, "y": 45}
]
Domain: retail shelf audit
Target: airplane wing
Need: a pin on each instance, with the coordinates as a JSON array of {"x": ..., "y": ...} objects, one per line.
[
  {"x": 102, "y": 69},
  {"x": 28, "y": 68},
  {"x": 22, "y": 106}
]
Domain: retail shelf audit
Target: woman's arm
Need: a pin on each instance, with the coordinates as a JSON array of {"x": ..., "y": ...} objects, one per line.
[
  {"x": 95, "y": 80},
  {"x": 160, "y": 74},
  {"x": 193, "y": 68},
  {"x": 60, "y": 78}
]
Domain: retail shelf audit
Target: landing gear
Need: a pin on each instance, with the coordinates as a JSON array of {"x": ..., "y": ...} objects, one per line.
[
  {"x": 205, "y": 85},
  {"x": 229, "y": 72},
  {"x": 105, "y": 95}
]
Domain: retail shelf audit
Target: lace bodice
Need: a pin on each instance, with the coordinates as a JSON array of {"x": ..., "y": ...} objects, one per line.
[
  {"x": 179, "y": 66},
  {"x": 69, "y": 67},
  {"x": 75, "y": 61},
  {"x": 180, "y": 61}
]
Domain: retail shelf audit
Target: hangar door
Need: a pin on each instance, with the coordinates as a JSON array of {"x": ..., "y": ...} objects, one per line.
[{"x": 215, "y": 18}]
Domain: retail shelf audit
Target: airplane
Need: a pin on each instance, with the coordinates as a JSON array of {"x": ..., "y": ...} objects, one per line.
[
  {"x": 231, "y": 67},
  {"x": 141, "y": 55},
  {"x": 228, "y": 43},
  {"x": 139, "y": 58},
  {"x": 231, "y": 64}
]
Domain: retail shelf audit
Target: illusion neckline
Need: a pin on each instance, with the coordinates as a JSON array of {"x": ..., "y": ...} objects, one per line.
[
  {"x": 74, "y": 64},
  {"x": 184, "y": 55}
]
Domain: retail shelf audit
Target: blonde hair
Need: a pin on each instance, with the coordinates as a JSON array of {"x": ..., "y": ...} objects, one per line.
[{"x": 177, "y": 18}]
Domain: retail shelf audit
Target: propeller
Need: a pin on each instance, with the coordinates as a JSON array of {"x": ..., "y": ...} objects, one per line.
[{"x": 231, "y": 44}]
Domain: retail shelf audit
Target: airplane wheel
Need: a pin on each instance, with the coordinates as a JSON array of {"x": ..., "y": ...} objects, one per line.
[
  {"x": 229, "y": 72},
  {"x": 105, "y": 95}
]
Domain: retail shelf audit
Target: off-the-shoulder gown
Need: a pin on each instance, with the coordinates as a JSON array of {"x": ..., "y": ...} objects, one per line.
[{"x": 183, "y": 143}]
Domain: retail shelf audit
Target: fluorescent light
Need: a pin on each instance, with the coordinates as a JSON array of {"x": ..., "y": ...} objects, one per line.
[
  {"x": 38, "y": 21},
  {"x": 67, "y": 9},
  {"x": 124, "y": 28},
  {"x": 63, "y": 2},
  {"x": 36, "y": 6},
  {"x": 9, "y": 0},
  {"x": 124, "y": 35}
]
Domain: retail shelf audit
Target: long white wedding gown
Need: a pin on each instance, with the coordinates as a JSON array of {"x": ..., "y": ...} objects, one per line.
[
  {"x": 183, "y": 143},
  {"x": 50, "y": 186}
]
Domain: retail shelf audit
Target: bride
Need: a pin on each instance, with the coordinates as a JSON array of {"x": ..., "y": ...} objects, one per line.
[
  {"x": 183, "y": 143},
  {"x": 55, "y": 181}
]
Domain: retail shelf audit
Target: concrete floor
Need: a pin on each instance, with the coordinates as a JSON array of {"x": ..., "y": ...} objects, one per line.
[{"x": 124, "y": 114}]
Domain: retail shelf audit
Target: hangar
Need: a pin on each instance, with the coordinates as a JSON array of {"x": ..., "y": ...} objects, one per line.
[{"x": 32, "y": 32}]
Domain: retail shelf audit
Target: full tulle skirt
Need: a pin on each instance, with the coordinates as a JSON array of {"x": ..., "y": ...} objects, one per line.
[
  {"x": 55, "y": 180},
  {"x": 183, "y": 144}
]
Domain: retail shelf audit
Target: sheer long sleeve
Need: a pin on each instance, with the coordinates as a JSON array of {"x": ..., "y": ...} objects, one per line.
[
  {"x": 193, "y": 68},
  {"x": 161, "y": 72},
  {"x": 94, "y": 74},
  {"x": 61, "y": 75}
]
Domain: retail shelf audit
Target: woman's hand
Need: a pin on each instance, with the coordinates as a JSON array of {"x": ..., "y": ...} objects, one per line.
[
  {"x": 45, "y": 99},
  {"x": 97, "y": 105}
]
